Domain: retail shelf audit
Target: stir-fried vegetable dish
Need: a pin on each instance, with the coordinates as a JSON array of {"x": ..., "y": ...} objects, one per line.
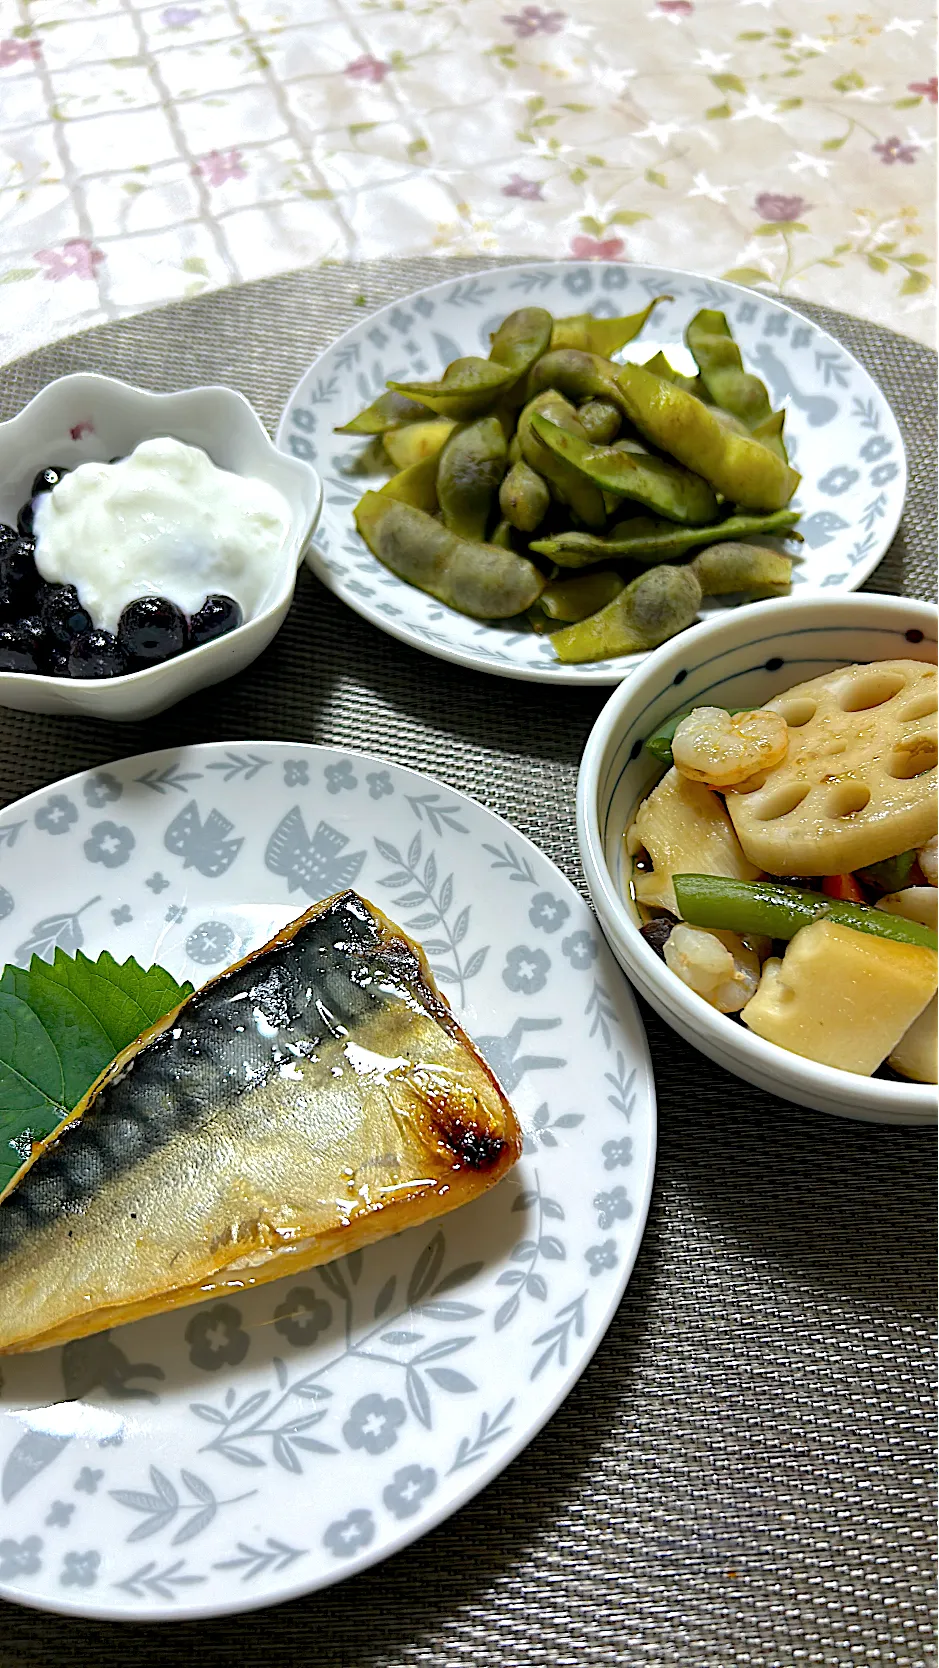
[{"x": 785, "y": 866}]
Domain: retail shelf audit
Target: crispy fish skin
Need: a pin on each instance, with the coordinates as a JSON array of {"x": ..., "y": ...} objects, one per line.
[{"x": 315, "y": 1097}]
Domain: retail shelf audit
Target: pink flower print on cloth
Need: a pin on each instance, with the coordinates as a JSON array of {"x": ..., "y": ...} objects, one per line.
[
  {"x": 598, "y": 248},
  {"x": 531, "y": 20},
  {"x": 529, "y": 190},
  {"x": 367, "y": 68},
  {"x": 13, "y": 52},
  {"x": 76, "y": 259},
  {"x": 220, "y": 166},
  {"x": 894, "y": 150},
  {"x": 773, "y": 205}
]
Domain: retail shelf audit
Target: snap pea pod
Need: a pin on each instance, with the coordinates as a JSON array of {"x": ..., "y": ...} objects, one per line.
[
  {"x": 524, "y": 498},
  {"x": 777, "y": 911},
  {"x": 720, "y": 368},
  {"x": 739, "y": 467},
  {"x": 601, "y": 421},
  {"x": 470, "y": 469},
  {"x": 566, "y": 483},
  {"x": 651, "y": 609},
  {"x": 724, "y": 569},
  {"x": 576, "y": 599},
  {"x": 468, "y": 388},
  {"x": 643, "y": 538},
  {"x": 521, "y": 339},
  {"x": 603, "y": 336},
  {"x": 389, "y": 411},
  {"x": 485, "y": 581},
  {"x": 419, "y": 440},
  {"x": 655, "y": 482},
  {"x": 416, "y": 485}
]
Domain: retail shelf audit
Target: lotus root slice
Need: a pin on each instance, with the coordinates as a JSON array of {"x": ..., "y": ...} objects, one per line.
[{"x": 858, "y": 783}]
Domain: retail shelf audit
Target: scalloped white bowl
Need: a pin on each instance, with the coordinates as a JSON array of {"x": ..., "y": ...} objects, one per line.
[
  {"x": 740, "y": 658},
  {"x": 80, "y": 418}
]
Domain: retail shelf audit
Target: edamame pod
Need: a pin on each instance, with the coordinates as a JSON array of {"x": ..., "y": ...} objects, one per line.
[
  {"x": 389, "y": 411},
  {"x": 739, "y": 467},
  {"x": 416, "y": 485},
  {"x": 578, "y": 376},
  {"x": 417, "y": 441},
  {"x": 603, "y": 336},
  {"x": 521, "y": 339},
  {"x": 651, "y": 609},
  {"x": 771, "y": 434},
  {"x": 643, "y": 538},
  {"x": 655, "y": 482},
  {"x": 720, "y": 367},
  {"x": 567, "y": 483},
  {"x": 503, "y": 535},
  {"x": 724, "y": 569},
  {"x": 524, "y": 498},
  {"x": 601, "y": 421},
  {"x": 485, "y": 581},
  {"x": 471, "y": 466},
  {"x": 663, "y": 367},
  {"x": 575, "y": 599},
  {"x": 467, "y": 388}
]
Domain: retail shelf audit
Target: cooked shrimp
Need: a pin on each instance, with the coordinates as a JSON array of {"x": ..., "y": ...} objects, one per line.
[
  {"x": 718, "y": 965},
  {"x": 723, "y": 749}
]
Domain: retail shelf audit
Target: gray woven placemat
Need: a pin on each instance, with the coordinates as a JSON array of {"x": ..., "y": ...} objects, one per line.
[{"x": 745, "y": 1472}]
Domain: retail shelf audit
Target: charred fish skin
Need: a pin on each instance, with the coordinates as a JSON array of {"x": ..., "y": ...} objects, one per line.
[{"x": 316, "y": 1096}]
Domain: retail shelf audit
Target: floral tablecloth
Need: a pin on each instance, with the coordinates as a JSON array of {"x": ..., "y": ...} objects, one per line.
[{"x": 149, "y": 152}]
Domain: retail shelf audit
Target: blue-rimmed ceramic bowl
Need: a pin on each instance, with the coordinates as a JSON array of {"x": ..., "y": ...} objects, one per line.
[{"x": 739, "y": 659}]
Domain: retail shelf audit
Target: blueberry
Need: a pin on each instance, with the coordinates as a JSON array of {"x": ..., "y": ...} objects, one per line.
[
  {"x": 217, "y": 616},
  {"x": 24, "y": 519},
  {"x": 96, "y": 654},
  {"x": 18, "y": 577},
  {"x": 35, "y": 632},
  {"x": 8, "y": 536},
  {"x": 57, "y": 663},
  {"x": 17, "y": 653},
  {"x": 47, "y": 479},
  {"x": 62, "y": 614},
  {"x": 151, "y": 630}
]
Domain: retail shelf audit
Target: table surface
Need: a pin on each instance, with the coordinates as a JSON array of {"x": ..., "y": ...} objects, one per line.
[
  {"x": 745, "y": 1472},
  {"x": 150, "y": 152}
]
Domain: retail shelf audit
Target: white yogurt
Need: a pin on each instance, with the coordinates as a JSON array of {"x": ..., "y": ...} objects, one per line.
[{"x": 162, "y": 522}]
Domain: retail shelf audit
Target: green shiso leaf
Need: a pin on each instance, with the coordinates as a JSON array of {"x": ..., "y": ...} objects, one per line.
[{"x": 61, "y": 1023}]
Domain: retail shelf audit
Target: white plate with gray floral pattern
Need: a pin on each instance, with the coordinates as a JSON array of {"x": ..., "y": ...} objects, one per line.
[
  {"x": 236, "y": 1454},
  {"x": 840, "y": 432}
]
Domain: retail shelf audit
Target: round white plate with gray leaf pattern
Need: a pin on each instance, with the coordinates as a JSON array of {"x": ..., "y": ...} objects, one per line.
[
  {"x": 235, "y": 1454},
  {"x": 840, "y": 432}
]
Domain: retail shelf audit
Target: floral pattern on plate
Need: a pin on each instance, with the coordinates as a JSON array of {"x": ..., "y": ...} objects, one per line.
[
  {"x": 840, "y": 432},
  {"x": 238, "y": 1452}
]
